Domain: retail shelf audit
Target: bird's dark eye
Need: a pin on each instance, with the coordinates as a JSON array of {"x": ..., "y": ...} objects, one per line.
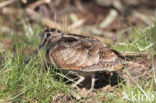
[{"x": 48, "y": 34}]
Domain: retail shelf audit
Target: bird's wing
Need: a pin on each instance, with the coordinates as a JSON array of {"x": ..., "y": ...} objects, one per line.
[
  {"x": 75, "y": 54},
  {"x": 109, "y": 60},
  {"x": 81, "y": 55}
]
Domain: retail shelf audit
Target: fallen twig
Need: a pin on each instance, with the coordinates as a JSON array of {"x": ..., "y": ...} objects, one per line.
[
  {"x": 143, "y": 17},
  {"x": 109, "y": 19},
  {"x": 46, "y": 21},
  {"x": 5, "y": 3},
  {"x": 52, "y": 24},
  {"x": 77, "y": 24},
  {"x": 11, "y": 11},
  {"x": 131, "y": 54},
  {"x": 37, "y": 3}
]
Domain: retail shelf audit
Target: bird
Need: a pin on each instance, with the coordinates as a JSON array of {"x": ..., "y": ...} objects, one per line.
[{"x": 82, "y": 55}]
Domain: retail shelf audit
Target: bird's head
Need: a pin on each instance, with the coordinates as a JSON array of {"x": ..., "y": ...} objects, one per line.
[{"x": 49, "y": 36}]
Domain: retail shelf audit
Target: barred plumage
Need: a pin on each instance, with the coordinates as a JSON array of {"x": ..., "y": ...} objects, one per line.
[{"x": 82, "y": 54}]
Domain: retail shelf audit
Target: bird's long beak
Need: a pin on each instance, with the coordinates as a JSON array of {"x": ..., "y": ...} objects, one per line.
[
  {"x": 36, "y": 51},
  {"x": 42, "y": 44}
]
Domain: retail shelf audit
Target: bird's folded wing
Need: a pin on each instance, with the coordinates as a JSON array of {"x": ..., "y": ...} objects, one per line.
[
  {"x": 109, "y": 60},
  {"x": 85, "y": 56}
]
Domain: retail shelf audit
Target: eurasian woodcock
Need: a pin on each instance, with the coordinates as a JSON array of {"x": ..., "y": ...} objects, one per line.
[{"x": 82, "y": 54}]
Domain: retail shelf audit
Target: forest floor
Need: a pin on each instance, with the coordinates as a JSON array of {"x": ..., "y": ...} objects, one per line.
[{"x": 126, "y": 26}]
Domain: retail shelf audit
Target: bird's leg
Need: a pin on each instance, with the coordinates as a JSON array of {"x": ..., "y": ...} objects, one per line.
[
  {"x": 93, "y": 79},
  {"x": 79, "y": 81}
]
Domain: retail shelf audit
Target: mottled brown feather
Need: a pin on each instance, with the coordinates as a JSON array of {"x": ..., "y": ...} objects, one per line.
[{"x": 80, "y": 53}]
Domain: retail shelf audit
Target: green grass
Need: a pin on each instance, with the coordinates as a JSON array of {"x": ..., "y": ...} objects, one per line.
[{"x": 20, "y": 82}]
